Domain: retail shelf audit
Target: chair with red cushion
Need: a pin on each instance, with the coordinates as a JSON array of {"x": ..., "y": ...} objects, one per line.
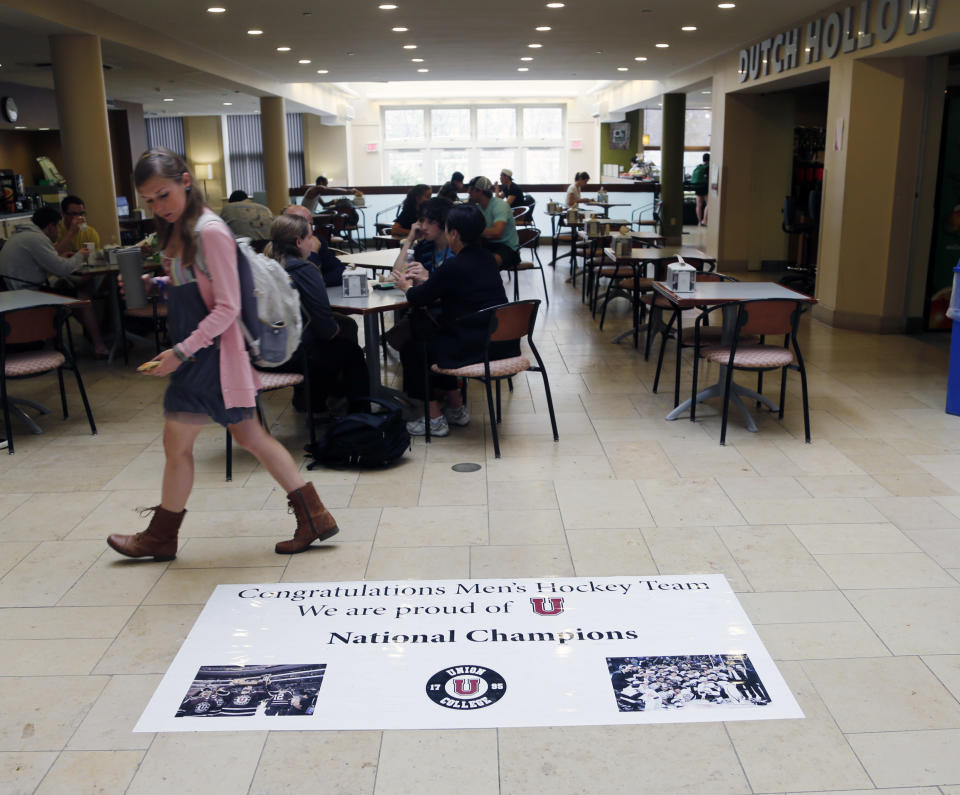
[
  {"x": 41, "y": 324},
  {"x": 505, "y": 323},
  {"x": 760, "y": 318}
]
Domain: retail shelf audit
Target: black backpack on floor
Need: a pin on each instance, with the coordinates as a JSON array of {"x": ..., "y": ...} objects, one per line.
[{"x": 362, "y": 440}]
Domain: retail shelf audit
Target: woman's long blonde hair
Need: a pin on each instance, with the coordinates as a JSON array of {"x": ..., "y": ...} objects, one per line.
[{"x": 165, "y": 164}]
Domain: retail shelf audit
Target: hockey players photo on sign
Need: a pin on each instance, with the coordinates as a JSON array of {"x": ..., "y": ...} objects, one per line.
[
  {"x": 685, "y": 681},
  {"x": 239, "y": 691}
]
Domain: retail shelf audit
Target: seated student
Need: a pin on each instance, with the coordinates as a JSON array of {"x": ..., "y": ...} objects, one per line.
[
  {"x": 320, "y": 254},
  {"x": 428, "y": 237},
  {"x": 410, "y": 210},
  {"x": 73, "y": 231},
  {"x": 245, "y": 217},
  {"x": 510, "y": 191},
  {"x": 465, "y": 284},
  {"x": 500, "y": 235},
  {"x": 450, "y": 190},
  {"x": 312, "y": 199},
  {"x": 337, "y": 366},
  {"x": 580, "y": 180},
  {"x": 28, "y": 258}
]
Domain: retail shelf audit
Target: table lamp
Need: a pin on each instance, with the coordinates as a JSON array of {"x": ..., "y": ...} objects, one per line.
[{"x": 203, "y": 171}]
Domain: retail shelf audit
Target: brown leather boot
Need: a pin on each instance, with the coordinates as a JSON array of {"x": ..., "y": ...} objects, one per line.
[
  {"x": 314, "y": 522},
  {"x": 159, "y": 539}
]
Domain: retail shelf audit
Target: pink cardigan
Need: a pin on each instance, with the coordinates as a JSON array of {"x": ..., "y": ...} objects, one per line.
[{"x": 221, "y": 294}]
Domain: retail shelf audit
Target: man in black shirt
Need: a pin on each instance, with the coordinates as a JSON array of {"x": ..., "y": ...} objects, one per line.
[{"x": 509, "y": 190}]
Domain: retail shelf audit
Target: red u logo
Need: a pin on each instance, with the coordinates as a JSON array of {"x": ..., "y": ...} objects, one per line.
[
  {"x": 465, "y": 686},
  {"x": 540, "y": 605}
]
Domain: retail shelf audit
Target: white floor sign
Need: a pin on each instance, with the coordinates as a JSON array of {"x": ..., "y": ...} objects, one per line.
[{"x": 469, "y": 654}]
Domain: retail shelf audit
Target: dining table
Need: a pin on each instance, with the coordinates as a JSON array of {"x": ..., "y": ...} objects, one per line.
[
  {"x": 374, "y": 259},
  {"x": 370, "y": 307},
  {"x": 727, "y": 295}
]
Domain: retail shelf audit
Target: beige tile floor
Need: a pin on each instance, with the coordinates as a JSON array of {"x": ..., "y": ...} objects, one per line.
[{"x": 845, "y": 553}]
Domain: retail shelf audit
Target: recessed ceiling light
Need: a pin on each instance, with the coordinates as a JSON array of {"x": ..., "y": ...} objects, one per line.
[
  {"x": 387, "y": 7},
  {"x": 168, "y": 99},
  {"x": 662, "y": 45},
  {"x": 255, "y": 32},
  {"x": 726, "y": 5},
  {"x": 543, "y": 28},
  {"x": 640, "y": 58},
  {"x": 287, "y": 49},
  {"x": 20, "y": 127},
  {"x": 399, "y": 30},
  {"x": 423, "y": 70},
  {"x": 555, "y": 5},
  {"x": 215, "y": 10},
  {"x": 706, "y": 92},
  {"x": 688, "y": 28},
  {"x": 323, "y": 71},
  {"x": 409, "y": 46},
  {"x": 43, "y": 129},
  {"x": 534, "y": 46},
  {"x": 228, "y": 103},
  {"x": 623, "y": 69},
  {"x": 523, "y": 68},
  {"x": 527, "y": 58},
  {"x": 417, "y": 60},
  {"x": 304, "y": 60}
]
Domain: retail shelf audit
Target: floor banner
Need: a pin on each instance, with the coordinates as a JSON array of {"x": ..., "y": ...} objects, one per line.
[{"x": 431, "y": 654}]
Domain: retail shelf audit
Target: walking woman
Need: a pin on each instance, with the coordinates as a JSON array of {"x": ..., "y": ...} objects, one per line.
[{"x": 210, "y": 372}]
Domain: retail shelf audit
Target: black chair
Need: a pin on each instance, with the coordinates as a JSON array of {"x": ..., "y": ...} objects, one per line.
[
  {"x": 505, "y": 323},
  {"x": 759, "y": 317},
  {"x": 40, "y": 324},
  {"x": 529, "y": 243}
]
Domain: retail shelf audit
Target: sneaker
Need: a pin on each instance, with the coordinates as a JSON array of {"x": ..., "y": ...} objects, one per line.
[
  {"x": 438, "y": 427},
  {"x": 459, "y": 416},
  {"x": 3, "y": 443}
]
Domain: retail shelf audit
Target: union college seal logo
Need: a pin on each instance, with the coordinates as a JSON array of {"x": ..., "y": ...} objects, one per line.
[{"x": 466, "y": 687}]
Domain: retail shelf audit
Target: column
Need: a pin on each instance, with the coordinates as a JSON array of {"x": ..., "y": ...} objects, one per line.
[
  {"x": 671, "y": 168},
  {"x": 276, "y": 171},
  {"x": 84, "y": 130}
]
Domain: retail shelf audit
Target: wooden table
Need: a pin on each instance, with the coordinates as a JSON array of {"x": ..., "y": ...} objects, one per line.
[
  {"x": 370, "y": 307},
  {"x": 639, "y": 260},
  {"x": 390, "y": 241},
  {"x": 607, "y": 205},
  {"x": 382, "y": 259},
  {"x": 649, "y": 239},
  {"x": 16, "y": 301},
  {"x": 727, "y": 295}
]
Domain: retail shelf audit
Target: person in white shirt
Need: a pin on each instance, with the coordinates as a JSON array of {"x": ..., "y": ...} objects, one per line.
[{"x": 580, "y": 180}]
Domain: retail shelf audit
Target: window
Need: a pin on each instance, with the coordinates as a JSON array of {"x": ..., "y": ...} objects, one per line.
[
  {"x": 428, "y": 144},
  {"x": 295, "y": 149},
  {"x": 495, "y": 124},
  {"x": 403, "y": 125},
  {"x": 246, "y": 152},
  {"x": 166, "y": 132},
  {"x": 653, "y": 125},
  {"x": 452, "y": 124},
  {"x": 545, "y": 124},
  {"x": 405, "y": 167},
  {"x": 697, "y": 126}
]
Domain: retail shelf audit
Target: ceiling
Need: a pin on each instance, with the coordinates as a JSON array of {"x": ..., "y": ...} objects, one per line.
[{"x": 589, "y": 40}]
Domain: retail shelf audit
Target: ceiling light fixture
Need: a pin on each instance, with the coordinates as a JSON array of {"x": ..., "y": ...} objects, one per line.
[
  {"x": 706, "y": 92},
  {"x": 726, "y": 5},
  {"x": 523, "y": 68},
  {"x": 304, "y": 60},
  {"x": 323, "y": 71},
  {"x": 543, "y": 28},
  {"x": 387, "y": 7},
  {"x": 623, "y": 69},
  {"x": 527, "y": 58},
  {"x": 228, "y": 103},
  {"x": 640, "y": 58},
  {"x": 409, "y": 46},
  {"x": 688, "y": 28},
  {"x": 43, "y": 129},
  {"x": 255, "y": 32},
  {"x": 287, "y": 49},
  {"x": 423, "y": 70},
  {"x": 399, "y": 30},
  {"x": 20, "y": 127},
  {"x": 555, "y": 5},
  {"x": 534, "y": 46},
  {"x": 417, "y": 60},
  {"x": 662, "y": 45},
  {"x": 168, "y": 99},
  {"x": 215, "y": 10}
]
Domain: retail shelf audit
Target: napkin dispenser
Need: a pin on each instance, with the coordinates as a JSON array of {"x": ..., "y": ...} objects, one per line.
[
  {"x": 572, "y": 216},
  {"x": 553, "y": 207},
  {"x": 593, "y": 228},
  {"x": 359, "y": 200},
  {"x": 681, "y": 277},
  {"x": 355, "y": 285},
  {"x": 623, "y": 246}
]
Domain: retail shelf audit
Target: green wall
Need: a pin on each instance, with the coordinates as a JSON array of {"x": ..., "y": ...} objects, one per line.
[{"x": 621, "y": 156}]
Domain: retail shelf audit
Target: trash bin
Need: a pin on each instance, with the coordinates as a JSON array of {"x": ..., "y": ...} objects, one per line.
[{"x": 953, "y": 379}]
